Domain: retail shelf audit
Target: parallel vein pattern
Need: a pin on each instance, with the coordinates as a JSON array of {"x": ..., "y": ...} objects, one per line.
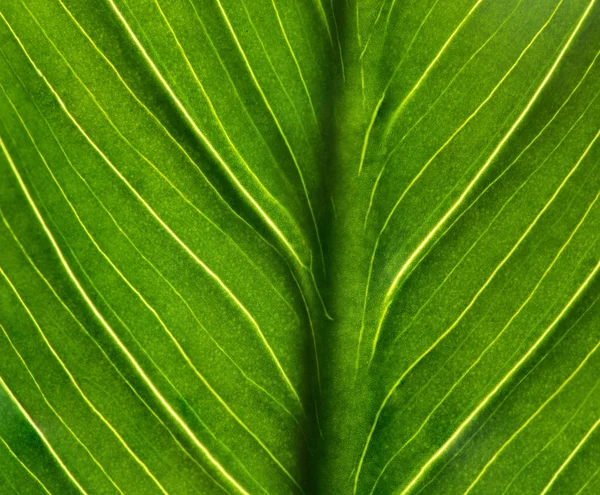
[{"x": 325, "y": 247}]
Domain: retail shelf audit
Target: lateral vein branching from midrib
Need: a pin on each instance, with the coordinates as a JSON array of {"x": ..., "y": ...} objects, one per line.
[
  {"x": 380, "y": 252},
  {"x": 143, "y": 256},
  {"x": 411, "y": 258},
  {"x": 158, "y": 317},
  {"x": 201, "y": 135}
]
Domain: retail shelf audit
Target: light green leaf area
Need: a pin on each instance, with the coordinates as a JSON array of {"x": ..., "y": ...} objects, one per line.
[{"x": 331, "y": 247}]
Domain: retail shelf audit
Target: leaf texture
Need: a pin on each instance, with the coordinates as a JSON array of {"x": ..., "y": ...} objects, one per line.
[{"x": 321, "y": 247}]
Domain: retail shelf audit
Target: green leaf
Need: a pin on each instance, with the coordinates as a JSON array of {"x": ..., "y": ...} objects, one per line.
[{"x": 321, "y": 247}]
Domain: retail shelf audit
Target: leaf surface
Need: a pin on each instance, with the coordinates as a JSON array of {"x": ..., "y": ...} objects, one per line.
[{"x": 299, "y": 247}]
